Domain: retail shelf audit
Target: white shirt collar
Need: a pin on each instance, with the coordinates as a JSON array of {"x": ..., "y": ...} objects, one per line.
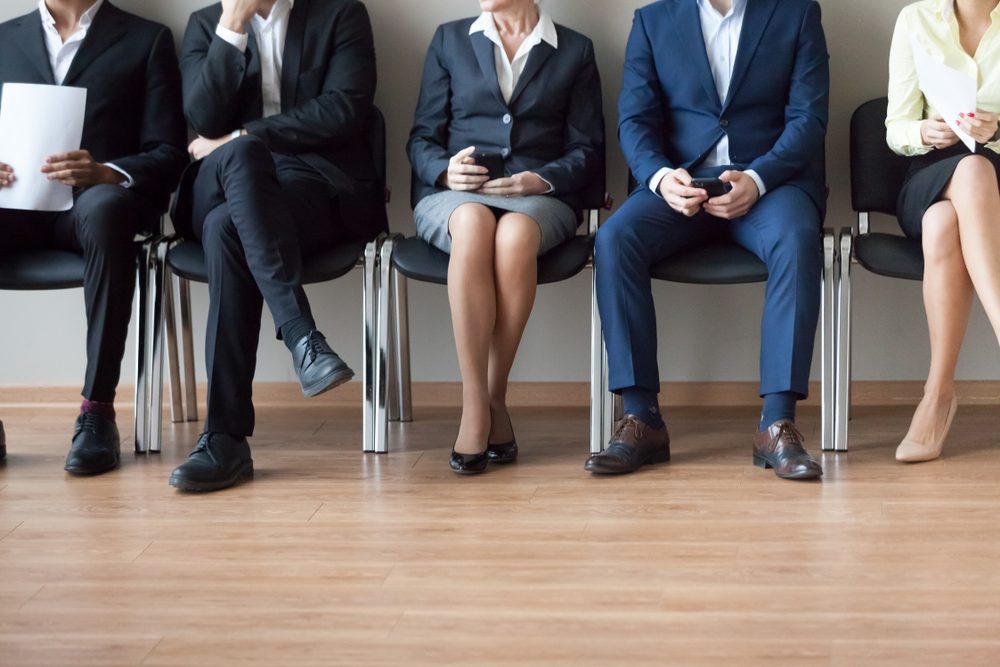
[
  {"x": 85, "y": 19},
  {"x": 736, "y": 8},
  {"x": 277, "y": 12},
  {"x": 545, "y": 29},
  {"x": 946, "y": 10}
]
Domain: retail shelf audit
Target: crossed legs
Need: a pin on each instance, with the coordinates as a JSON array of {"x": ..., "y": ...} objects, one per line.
[{"x": 492, "y": 280}]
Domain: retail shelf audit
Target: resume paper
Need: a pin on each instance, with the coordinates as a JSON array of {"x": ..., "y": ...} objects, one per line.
[{"x": 949, "y": 91}]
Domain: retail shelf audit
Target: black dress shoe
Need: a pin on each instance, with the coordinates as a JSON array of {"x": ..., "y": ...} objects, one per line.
[
  {"x": 633, "y": 445},
  {"x": 3, "y": 445},
  {"x": 217, "y": 462},
  {"x": 469, "y": 464},
  {"x": 96, "y": 445},
  {"x": 318, "y": 366}
]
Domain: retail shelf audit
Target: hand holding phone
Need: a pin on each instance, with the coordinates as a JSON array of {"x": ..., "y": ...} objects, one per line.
[
  {"x": 492, "y": 161},
  {"x": 712, "y": 186}
]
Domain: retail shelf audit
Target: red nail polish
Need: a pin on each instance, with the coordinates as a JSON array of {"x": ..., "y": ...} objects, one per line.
[
  {"x": 958, "y": 124},
  {"x": 972, "y": 115},
  {"x": 961, "y": 115}
]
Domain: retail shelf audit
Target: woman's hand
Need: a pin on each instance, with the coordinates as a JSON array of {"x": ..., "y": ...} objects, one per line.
[
  {"x": 981, "y": 125},
  {"x": 463, "y": 174},
  {"x": 525, "y": 184},
  {"x": 6, "y": 175},
  {"x": 935, "y": 132}
]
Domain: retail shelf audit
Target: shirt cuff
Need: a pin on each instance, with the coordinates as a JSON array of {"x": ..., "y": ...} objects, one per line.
[
  {"x": 758, "y": 180},
  {"x": 551, "y": 189},
  {"x": 654, "y": 182},
  {"x": 128, "y": 182},
  {"x": 239, "y": 40}
]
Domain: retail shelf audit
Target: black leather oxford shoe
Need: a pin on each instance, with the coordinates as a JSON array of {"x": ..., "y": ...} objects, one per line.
[
  {"x": 96, "y": 445},
  {"x": 217, "y": 462},
  {"x": 318, "y": 366}
]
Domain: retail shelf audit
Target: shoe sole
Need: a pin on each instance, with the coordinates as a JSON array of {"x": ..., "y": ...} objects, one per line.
[
  {"x": 658, "y": 457},
  {"x": 467, "y": 473},
  {"x": 331, "y": 381},
  {"x": 90, "y": 472},
  {"x": 761, "y": 462},
  {"x": 245, "y": 472}
]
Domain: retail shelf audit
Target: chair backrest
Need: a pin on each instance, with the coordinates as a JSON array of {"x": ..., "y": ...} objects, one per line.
[{"x": 877, "y": 174}]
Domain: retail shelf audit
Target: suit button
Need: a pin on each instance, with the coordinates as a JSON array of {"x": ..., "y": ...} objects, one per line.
[
  {"x": 507, "y": 118},
  {"x": 505, "y": 152},
  {"x": 724, "y": 122}
]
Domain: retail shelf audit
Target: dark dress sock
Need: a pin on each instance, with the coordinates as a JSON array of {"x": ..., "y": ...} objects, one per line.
[
  {"x": 777, "y": 407},
  {"x": 643, "y": 404},
  {"x": 294, "y": 329}
]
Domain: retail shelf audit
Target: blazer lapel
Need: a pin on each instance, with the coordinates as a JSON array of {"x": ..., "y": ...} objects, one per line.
[
  {"x": 483, "y": 47},
  {"x": 691, "y": 41},
  {"x": 536, "y": 59},
  {"x": 758, "y": 15},
  {"x": 108, "y": 27},
  {"x": 292, "y": 56},
  {"x": 31, "y": 39}
]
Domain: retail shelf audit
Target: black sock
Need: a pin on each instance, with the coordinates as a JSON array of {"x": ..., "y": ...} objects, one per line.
[
  {"x": 644, "y": 405},
  {"x": 293, "y": 330}
]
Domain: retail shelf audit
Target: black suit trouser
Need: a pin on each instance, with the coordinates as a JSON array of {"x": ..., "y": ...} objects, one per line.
[
  {"x": 256, "y": 214},
  {"x": 101, "y": 226}
]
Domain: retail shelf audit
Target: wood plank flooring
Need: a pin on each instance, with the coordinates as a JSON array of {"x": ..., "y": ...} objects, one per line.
[{"x": 330, "y": 557}]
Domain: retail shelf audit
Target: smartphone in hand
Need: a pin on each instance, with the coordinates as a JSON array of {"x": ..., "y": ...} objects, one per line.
[
  {"x": 493, "y": 162},
  {"x": 713, "y": 186}
]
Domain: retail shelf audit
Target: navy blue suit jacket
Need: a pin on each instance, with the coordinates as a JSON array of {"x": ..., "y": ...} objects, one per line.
[
  {"x": 553, "y": 125},
  {"x": 778, "y": 104}
]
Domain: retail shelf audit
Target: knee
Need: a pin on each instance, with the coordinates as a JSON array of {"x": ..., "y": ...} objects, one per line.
[
  {"x": 112, "y": 218},
  {"x": 797, "y": 244},
  {"x": 472, "y": 226},
  {"x": 975, "y": 173},
  {"x": 940, "y": 235},
  {"x": 242, "y": 150},
  {"x": 612, "y": 240},
  {"x": 518, "y": 236}
]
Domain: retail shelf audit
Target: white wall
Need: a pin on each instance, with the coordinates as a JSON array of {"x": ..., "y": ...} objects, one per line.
[{"x": 706, "y": 333}]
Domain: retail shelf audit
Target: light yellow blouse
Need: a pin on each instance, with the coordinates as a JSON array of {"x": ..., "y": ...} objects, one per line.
[{"x": 935, "y": 26}]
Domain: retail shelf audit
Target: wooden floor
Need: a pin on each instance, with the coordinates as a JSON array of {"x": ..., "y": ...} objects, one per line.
[{"x": 334, "y": 558}]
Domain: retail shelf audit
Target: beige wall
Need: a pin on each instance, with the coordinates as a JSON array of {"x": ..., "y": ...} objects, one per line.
[{"x": 706, "y": 333}]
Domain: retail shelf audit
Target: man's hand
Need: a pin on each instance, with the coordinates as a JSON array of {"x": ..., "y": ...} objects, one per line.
[
  {"x": 237, "y": 13},
  {"x": 519, "y": 185},
  {"x": 676, "y": 190},
  {"x": 463, "y": 174},
  {"x": 735, "y": 203},
  {"x": 936, "y": 133},
  {"x": 981, "y": 125},
  {"x": 79, "y": 170},
  {"x": 6, "y": 175},
  {"x": 201, "y": 147}
]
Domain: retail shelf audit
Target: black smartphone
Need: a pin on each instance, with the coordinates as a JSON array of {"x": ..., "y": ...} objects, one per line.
[
  {"x": 493, "y": 162},
  {"x": 713, "y": 186}
]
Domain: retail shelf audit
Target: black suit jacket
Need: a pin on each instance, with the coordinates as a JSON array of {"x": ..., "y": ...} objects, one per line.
[
  {"x": 129, "y": 68},
  {"x": 553, "y": 125},
  {"x": 327, "y": 90}
]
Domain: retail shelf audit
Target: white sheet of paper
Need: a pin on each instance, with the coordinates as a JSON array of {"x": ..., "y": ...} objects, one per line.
[
  {"x": 949, "y": 91},
  {"x": 37, "y": 121}
]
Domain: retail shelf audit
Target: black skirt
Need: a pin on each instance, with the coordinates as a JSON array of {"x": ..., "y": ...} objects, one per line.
[{"x": 926, "y": 181}]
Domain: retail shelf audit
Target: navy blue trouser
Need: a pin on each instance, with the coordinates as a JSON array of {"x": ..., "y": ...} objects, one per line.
[{"x": 783, "y": 229}]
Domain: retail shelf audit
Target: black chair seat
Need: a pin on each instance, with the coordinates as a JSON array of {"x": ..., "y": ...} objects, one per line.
[
  {"x": 720, "y": 264},
  {"x": 41, "y": 270},
  {"x": 418, "y": 260},
  {"x": 890, "y": 255},
  {"x": 187, "y": 260}
]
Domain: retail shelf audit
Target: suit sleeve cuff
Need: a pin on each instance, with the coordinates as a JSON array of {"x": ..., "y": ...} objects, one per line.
[
  {"x": 654, "y": 182},
  {"x": 758, "y": 180},
  {"x": 239, "y": 40},
  {"x": 128, "y": 182}
]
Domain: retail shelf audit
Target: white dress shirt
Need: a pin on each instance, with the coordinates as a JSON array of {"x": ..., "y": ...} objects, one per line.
[
  {"x": 722, "y": 40},
  {"x": 509, "y": 71},
  {"x": 61, "y": 54},
  {"x": 270, "y": 34}
]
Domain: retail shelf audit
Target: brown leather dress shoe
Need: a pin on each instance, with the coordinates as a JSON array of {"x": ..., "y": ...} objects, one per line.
[
  {"x": 780, "y": 447},
  {"x": 633, "y": 445}
]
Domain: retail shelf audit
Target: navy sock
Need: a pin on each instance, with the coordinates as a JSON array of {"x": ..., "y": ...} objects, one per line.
[
  {"x": 777, "y": 407},
  {"x": 294, "y": 329},
  {"x": 643, "y": 404}
]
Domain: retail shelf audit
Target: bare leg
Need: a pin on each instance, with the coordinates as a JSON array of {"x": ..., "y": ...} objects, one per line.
[
  {"x": 516, "y": 275},
  {"x": 947, "y": 300},
  {"x": 472, "y": 295}
]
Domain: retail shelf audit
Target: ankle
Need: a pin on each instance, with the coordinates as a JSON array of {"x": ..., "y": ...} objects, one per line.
[
  {"x": 105, "y": 409},
  {"x": 939, "y": 393}
]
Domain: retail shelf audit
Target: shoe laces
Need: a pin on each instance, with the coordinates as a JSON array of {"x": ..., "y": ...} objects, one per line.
[
  {"x": 629, "y": 423},
  {"x": 315, "y": 343},
  {"x": 202, "y": 446},
  {"x": 89, "y": 421},
  {"x": 789, "y": 432}
]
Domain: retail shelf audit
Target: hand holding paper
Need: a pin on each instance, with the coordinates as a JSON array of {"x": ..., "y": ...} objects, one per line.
[
  {"x": 980, "y": 125},
  {"x": 949, "y": 91}
]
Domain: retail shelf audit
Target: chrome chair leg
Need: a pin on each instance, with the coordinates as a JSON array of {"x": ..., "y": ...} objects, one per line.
[
  {"x": 401, "y": 347},
  {"x": 141, "y": 408},
  {"x": 173, "y": 363},
  {"x": 843, "y": 379},
  {"x": 391, "y": 356},
  {"x": 187, "y": 345},
  {"x": 370, "y": 348},
  {"x": 828, "y": 337},
  {"x": 384, "y": 275},
  {"x": 598, "y": 396},
  {"x": 154, "y": 424}
]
